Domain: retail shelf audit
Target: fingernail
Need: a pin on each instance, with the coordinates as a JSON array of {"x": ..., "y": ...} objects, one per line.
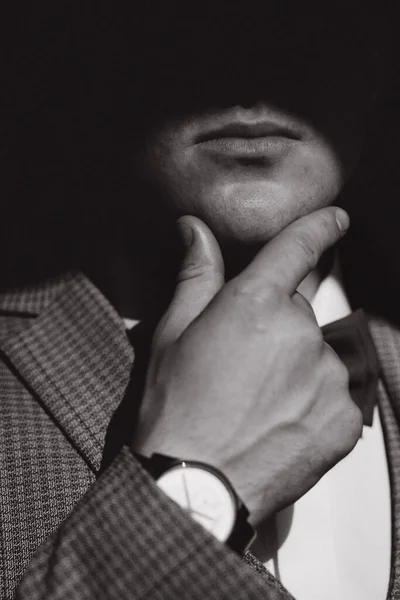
[
  {"x": 343, "y": 220},
  {"x": 186, "y": 234}
]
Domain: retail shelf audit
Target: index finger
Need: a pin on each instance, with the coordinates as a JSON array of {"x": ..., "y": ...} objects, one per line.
[{"x": 289, "y": 257}]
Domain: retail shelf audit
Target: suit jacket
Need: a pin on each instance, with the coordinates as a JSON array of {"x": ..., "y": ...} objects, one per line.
[{"x": 66, "y": 531}]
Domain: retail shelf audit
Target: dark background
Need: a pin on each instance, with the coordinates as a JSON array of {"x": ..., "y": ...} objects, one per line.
[{"x": 80, "y": 80}]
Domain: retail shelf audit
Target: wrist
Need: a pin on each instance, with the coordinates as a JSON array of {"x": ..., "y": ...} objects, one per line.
[
  {"x": 245, "y": 487},
  {"x": 206, "y": 494}
]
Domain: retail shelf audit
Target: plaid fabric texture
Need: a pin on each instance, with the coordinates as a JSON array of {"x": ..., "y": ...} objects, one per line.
[
  {"x": 76, "y": 358},
  {"x": 31, "y": 300},
  {"x": 387, "y": 341},
  {"x": 41, "y": 478},
  {"x": 141, "y": 545},
  {"x": 67, "y": 533}
]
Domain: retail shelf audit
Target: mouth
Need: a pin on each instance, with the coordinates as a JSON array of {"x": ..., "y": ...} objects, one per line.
[
  {"x": 249, "y": 130},
  {"x": 248, "y": 139}
]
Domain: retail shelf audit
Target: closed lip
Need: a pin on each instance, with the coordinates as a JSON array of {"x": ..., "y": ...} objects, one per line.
[{"x": 249, "y": 130}]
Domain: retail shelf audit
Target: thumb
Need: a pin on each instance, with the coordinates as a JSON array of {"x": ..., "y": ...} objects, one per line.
[{"x": 201, "y": 276}]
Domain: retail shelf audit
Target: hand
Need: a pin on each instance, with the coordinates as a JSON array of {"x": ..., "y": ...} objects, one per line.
[{"x": 240, "y": 376}]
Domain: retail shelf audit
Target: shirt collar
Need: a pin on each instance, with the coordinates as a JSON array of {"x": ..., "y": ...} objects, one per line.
[
  {"x": 130, "y": 323},
  {"x": 330, "y": 302}
]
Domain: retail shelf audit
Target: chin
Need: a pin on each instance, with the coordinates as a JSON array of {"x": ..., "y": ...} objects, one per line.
[{"x": 250, "y": 215}]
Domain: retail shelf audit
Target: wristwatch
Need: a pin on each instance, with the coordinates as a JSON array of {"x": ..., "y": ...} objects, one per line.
[{"x": 206, "y": 494}]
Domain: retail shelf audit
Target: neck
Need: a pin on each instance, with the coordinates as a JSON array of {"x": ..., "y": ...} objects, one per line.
[
  {"x": 139, "y": 277},
  {"x": 138, "y": 273}
]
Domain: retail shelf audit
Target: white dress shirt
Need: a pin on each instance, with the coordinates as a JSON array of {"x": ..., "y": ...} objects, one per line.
[
  {"x": 335, "y": 542},
  {"x": 130, "y": 323}
]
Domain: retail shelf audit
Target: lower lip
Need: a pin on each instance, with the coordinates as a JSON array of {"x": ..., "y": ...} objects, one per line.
[{"x": 267, "y": 146}]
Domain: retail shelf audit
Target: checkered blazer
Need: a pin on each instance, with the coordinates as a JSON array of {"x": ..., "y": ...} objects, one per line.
[{"x": 67, "y": 532}]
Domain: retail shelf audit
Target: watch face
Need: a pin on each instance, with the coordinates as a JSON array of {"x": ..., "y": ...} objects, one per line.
[{"x": 205, "y": 497}]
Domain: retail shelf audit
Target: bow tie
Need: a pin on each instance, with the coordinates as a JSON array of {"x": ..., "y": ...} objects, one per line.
[{"x": 351, "y": 340}]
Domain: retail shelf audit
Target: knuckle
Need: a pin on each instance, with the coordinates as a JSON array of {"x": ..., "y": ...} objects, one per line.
[
  {"x": 351, "y": 425},
  {"x": 194, "y": 271},
  {"x": 336, "y": 369},
  {"x": 346, "y": 419},
  {"x": 255, "y": 308},
  {"x": 355, "y": 423},
  {"x": 326, "y": 221},
  {"x": 341, "y": 372},
  {"x": 309, "y": 247},
  {"x": 299, "y": 300},
  {"x": 250, "y": 295},
  {"x": 348, "y": 426}
]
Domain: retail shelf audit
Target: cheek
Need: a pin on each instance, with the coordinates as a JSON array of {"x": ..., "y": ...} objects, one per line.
[{"x": 315, "y": 175}]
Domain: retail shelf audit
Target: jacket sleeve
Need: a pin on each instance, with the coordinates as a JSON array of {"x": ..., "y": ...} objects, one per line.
[{"x": 126, "y": 540}]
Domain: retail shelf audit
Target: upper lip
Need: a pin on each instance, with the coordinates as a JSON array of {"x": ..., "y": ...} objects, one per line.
[{"x": 249, "y": 130}]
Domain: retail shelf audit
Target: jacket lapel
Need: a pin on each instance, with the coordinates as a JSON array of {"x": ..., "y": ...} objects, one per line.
[
  {"x": 75, "y": 357},
  {"x": 387, "y": 341}
]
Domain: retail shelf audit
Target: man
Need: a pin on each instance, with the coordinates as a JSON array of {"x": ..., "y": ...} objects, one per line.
[{"x": 238, "y": 376}]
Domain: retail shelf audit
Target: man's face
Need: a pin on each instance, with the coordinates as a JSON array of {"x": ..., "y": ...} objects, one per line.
[{"x": 266, "y": 125}]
